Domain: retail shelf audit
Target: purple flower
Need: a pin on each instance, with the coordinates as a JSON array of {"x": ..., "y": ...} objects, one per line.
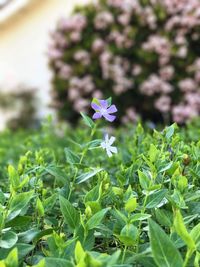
[{"x": 103, "y": 109}]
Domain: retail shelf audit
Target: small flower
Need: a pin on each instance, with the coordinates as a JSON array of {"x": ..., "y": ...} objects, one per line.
[
  {"x": 103, "y": 109},
  {"x": 107, "y": 145}
]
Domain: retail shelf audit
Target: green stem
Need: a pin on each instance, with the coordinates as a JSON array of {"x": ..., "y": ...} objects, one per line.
[
  {"x": 140, "y": 223},
  {"x": 124, "y": 254},
  {"x": 81, "y": 159},
  {"x": 187, "y": 257}
]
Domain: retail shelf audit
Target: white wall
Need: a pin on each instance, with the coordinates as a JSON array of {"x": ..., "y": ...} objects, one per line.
[{"x": 23, "y": 45}]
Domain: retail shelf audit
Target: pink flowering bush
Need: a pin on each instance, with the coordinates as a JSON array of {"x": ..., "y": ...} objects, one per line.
[{"x": 143, "y": 53}]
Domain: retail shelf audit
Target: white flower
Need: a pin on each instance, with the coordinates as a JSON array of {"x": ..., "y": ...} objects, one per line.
[{"x": 107, "y": 144}]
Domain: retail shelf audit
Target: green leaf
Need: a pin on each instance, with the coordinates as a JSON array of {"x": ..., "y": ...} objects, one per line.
[
  {"x": 93, "y": 144},
  {"x": 164, "y": 217},
  {"x": 166, "y": 167},
  {"x": 8, "y": 239},
  {"x": 96, "y": 219},
  {"x": 24, "y": 249},
  {"x": 164, "y": 251},
  {"x": 153, "y": 153},
  {"x": 155, "y": 198},
  {"x": 39, "y": 207},
  {"x": 41, "y": 264},
  {"x": 52, "y": 262},
  {"x": 14, "y": 177},
  {"x": 170, "y": 131},
  {"x": 128, "y": 235},
  {"x": 71, "y": 215},
  {"x": 144, "y": 180},
  {"x": 182, "y": 231},
  {"x": 12, "y": 258},
  {"x": 85, "y": 176},
  {"x": 139, "y": 217},
  {"x": 57, "y": 173},
  {"x": 71, "y": 157},
  {"x": 18, "y": 203},
  {"x": 195, "y": 234},
  {"x": 87, "y": 120},
  {"x": 131, "y": 204},
  {"x": 109, "y": 101},
  {"x": 79, "y": 252}
]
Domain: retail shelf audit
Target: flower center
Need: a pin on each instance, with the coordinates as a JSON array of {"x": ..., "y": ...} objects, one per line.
[{"x": 103, "y": 111}]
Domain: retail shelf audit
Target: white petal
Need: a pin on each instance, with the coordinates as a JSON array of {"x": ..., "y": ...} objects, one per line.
[
  {"x": 108, "y": 153},
  {"x": 112, "y": 140},
  {"x": 113, "y": 149},
  {"x": 106, "y": 138},
  {"x": 103, "y": 145}
]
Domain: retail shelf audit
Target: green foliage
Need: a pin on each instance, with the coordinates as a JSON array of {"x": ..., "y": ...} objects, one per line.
[{"x": 65, "y": 204}]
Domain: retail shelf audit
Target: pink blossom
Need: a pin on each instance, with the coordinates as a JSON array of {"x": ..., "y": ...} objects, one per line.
[
  {"x": 54, "y": 53},
  {"x": 182, "y": 52},
  {"x": 187, "y": 85},
  {"x": 136, "y": 70},
  {"x": 130, "y": 116},
  {"x": 97, "y": 94},
  {"x": 75, "y": 37},
  {"x": 81, "y": 105},
  {"x": 182, "y": 113},
  {"x": 154, "y": 84},
  {"x": 163, "y": 103},
  {"x": 98, "y": 45},
  {"x": 83, "y": 57},
  {"x": 73, "y": 93},
  {"x": 197, "y": 77},
  {"x": 65, "y": 71},
  {"x": 75, "y": 23},
  {"x": 124, "y": 19},
  {"x": 103, "y": 20},
  {"x": 166, "y": 72},
  {"x": 158, "y": 44},
  {"x": 193, "y": 99}
]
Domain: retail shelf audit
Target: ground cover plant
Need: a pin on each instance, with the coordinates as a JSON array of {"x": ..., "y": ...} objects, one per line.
[
  {"x": 143, "y": 53},
  {"x": 66, "y": 200}
]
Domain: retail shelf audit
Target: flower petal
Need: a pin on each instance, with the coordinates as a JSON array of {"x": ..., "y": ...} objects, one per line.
[
  {"x": 112, "y": 140},
  {"x": 108, "y": 152},
  {"x": 103, "y": 145},
  {"x": 107, "y": 139},
  {"x": 104, "y": 103},
  {"x": 113, "y": 149},
  {"x": 95, "y": 106},
  {"x": 108, "y": 117},
  {"x": 97, "y": 115},
  {"x": 112, "y": 109}
]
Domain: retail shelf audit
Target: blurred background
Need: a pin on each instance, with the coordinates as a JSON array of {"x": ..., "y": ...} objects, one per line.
[
  {"x": 25, "y": 77},
  {"x": 55, "y": 57}
]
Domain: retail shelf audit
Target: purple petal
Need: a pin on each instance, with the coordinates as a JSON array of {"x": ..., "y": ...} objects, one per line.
[
  {"x": 96, "y": 116},
  {"x": 108, "y": 117},
  {"x": 95, "y": 106},
  {"x": 112, "y": 109},
  {"x": 103, "y": 103}
]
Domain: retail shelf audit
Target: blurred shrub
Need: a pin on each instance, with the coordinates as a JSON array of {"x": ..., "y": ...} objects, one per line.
[
  {"x": 145, "y": 53},
  {"x": 21, "y": 106}
]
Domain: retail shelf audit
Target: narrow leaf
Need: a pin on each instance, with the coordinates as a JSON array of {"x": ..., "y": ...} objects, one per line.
[{"x": 85, "y": 176}]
